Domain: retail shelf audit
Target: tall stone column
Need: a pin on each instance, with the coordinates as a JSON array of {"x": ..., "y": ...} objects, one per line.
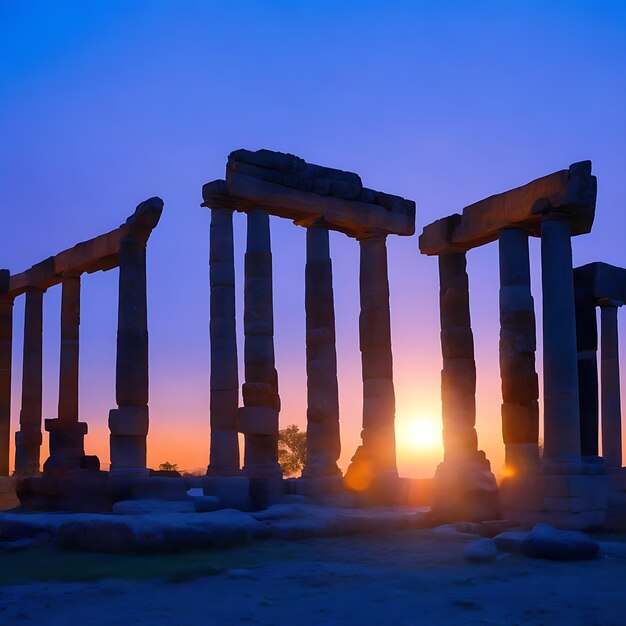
[
  {"x": 67, "y": 434},
  {"x": 458, "y": 377},
  {"x": 224, "y": 400},
  {"x": 560, "y": 362},
  {"x": 258, "y": 418},
  {"x": 520, "y": 391},
  {"x": 129, "y": 423},
  {"x": 28, "y": 439},
  {"x": 610, "y": 393},
  {"x": 6, "y": 343},
  {"x": 323, "y": 441},
  {"x": 463, "y": 487},
  {"x": 375, "y": 459},
  {"x": 587, "y": 345}
]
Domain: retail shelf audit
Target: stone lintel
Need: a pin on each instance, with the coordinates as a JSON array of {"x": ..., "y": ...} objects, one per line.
[
  {"x": 351, "y": 217},
  {"x": 289, "y": 187},
  {"x": 570, "y": 192},
  {"x": 601, "y": 282},
  {"x": 97, "y": 254}
]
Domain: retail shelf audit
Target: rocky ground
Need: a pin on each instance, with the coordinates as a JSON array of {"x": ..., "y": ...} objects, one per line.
[{"x": 387, "y": 577}]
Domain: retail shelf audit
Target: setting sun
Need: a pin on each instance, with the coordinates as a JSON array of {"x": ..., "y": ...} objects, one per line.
[{"x": 422, "y": 433}]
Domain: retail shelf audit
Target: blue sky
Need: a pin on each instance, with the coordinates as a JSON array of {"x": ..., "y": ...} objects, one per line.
[{"x": 103, "y": 104}]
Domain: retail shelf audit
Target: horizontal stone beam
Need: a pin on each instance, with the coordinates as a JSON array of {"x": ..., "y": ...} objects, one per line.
[
  {"x": 99, "y": 253},
  {"x": 601, "y": 281},
  {"x": 286, "y": 186},
  {"x": 571, "y": 191}
]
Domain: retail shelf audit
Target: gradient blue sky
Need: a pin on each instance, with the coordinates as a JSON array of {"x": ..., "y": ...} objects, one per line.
[{"x": 103, "y": 104}]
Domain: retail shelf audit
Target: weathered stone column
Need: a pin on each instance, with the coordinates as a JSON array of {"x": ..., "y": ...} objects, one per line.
[
  {"x": 610, "y": 392},
  {"x": 458, "y": 377},
  {"x": 224, "y": 400},
  {"x": 28, "y": 439},
  {"x": 560, "y": 363},
  {"x": 463, "y": 487},
  {"x": 129, "y": 423},
  {"x": 520, "y": 409},
  {"x": 375, "y": 459},
  {"x": 67, "y": 434},
  {"x": 6, "y": 343},
  {"x": 258, "y": 419},
  {"x": 587, "y": 345},
  {"x": 323, "y": 441}
]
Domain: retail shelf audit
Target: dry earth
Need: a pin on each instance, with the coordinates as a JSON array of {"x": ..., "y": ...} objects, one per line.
[{"x": 402, "y": 578}]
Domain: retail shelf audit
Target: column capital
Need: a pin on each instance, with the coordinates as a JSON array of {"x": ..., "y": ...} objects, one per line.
[
  {"x": 372, "y": 233},
  {"x": 608, "y": 302},
  {"x": 312, "y": 222}
]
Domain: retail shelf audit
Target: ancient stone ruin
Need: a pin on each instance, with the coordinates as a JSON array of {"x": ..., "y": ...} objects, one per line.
[{"x": 569, "y": 485}]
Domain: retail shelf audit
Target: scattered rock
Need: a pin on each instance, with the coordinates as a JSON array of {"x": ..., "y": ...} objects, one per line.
[
  {"x": 546, "y": 542},
  {"x": 481, "y": 551},
  {"x": 511, "y": 541}
]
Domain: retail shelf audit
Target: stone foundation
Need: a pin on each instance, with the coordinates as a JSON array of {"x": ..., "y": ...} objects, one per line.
[
  {"x": 566, "y": 496},
  {"x": 464, "y": 491},
  {"x": 8, "y": 497}
]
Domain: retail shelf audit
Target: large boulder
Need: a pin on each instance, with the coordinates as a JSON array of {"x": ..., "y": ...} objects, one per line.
[{"x": 546, "y": 542}]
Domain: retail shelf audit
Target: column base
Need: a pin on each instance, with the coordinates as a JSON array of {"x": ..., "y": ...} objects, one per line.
[
  {"x": 570, "y": 496},
  {"x": 364, "y": 473},
  {"x": 27, "y": 450},
  {"x": 465, "y": 491},
  {"x": 317, "y": 487},
  {"x": 8, "y": 495}
]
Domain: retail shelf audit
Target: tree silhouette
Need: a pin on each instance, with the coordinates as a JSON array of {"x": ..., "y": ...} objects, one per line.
[{"x": 291, "y": 449}]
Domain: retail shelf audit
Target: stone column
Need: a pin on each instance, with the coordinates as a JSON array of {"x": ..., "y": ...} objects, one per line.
[
  {"x": 610, "y": 391},
  {"x": 6, "y": 342},
  {"x": 224, "y": 400},
  {"x": 258, "y": 418},
  {"x": 587, "y": 345},
  {"x": 28, "y": 439},
  {"x": 129, "y": 423},
  {"x": 560, "y": 363},
  {"x": 463, "y": 487},
  {"x": 520, "y": 391},
  {"x": 375, "y": 460},
  {"x": 323, "y": 441},
  {"x": 458, "y": 377},
  {"x": 67, "y": 434}
]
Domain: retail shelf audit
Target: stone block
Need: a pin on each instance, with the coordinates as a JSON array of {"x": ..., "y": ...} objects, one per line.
[
  {"x": 206, "y": 504},
  {"x": 148, "y": 507},
  {"x": 515, "y": 298},
  {"x": 258, "y": 420},
  {"x": 564, "y": 486},
  {"x": 129, "y": 421},
  {"x": 260, "y": 394},
  {"x": 28, "y": 438},
  {"x": 231, "y": 491},
  {"x": 545, "y": 542},
  {"x": 520, "y": 422},
  {"x": 128, "y": 453},
  {"x": 569, "y": 505},
  {"x": 521, "y": 493},
  {"x": 457, "y": 343},
  {"x": 157, "y": 488},
  {"x": 510, "y": 541},
  {"x": 222, "y": 275},
  {"x": 464, "y": 492}
]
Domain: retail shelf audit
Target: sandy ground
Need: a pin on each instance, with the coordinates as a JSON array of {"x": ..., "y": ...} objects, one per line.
[{"x": 416, "y": 577}]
